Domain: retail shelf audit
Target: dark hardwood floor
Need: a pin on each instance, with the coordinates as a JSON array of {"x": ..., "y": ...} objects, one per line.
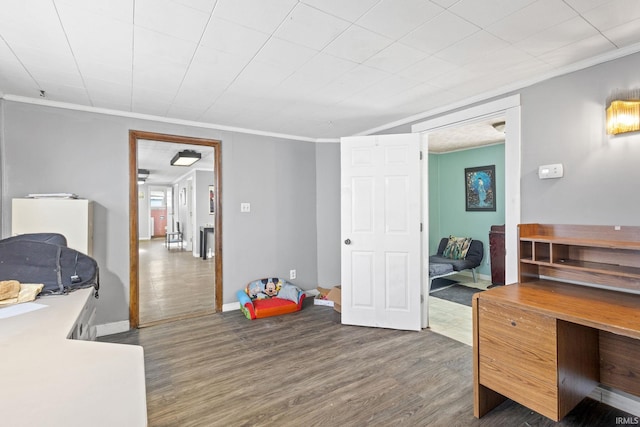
[{"x": 306, "y": 369}]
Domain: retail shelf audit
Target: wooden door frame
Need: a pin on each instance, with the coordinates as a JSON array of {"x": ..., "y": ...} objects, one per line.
[{"x": 134, "y": 261}]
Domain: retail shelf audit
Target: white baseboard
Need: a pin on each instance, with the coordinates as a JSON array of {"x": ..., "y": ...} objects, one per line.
[
  {"x": 112, "y": 328},
  {"x": 230, "y": 306},
  {"x": 617, "y": 399}
]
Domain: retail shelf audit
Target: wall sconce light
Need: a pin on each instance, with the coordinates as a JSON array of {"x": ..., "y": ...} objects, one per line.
[
  {"x": 185, "y": 158},
  {"x": 623, "y": 112},
  {"x": 143, "y": 174}
]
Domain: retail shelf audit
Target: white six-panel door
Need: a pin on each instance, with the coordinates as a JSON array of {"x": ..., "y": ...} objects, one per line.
[{"x": 380, "y": 229}]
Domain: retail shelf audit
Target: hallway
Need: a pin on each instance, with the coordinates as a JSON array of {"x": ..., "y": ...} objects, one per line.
[{"x": 173, "y": 283}]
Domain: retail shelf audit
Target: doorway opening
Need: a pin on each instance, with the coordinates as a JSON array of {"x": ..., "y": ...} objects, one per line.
[{"x": 179, "y": 208}]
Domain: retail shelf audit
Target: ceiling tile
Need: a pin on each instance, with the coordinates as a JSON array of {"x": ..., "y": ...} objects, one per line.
[
  {"x": 151, "y": 43},
  {"x": 531, "y": 20},
  {"x": 584, "y": 5},
  {"x": 230, "y": 37},
  {"x": 609, "y": 15},
  {"x": 578, "y": 51},
  {"x": 445, "y": 3},
  {"x": 439, "y": 33},
  {"x": 257, "y": 14},
  {"x": 318, "y": 72},
  {"x": 311, "y": 27},
  {"x": 171, "y": 18},
  {"x": 477, "y": 45},
  {"x": 485, "y": 12},
  {"x": 146, "y": 75},
  {"x": 283, "y": 54},
  {"x": 571, "y": 31},
  {"x": 349, "y": 10},
  {"x": 197, "y": 97},
  {"x": 395, "y": 18},
  {"x": 214, "y": 66},
  {"x": 625, "y": 34},
  {"x": 97, "y": 38},
  {"x": 380, "y": 93},
  {"x": 395, "y": 58},
  {"x": 357, "y": 44},
  {"x": 427, "y": 69},
  {"x": 201, "y": 5},
  {"x": 349, "y": 83},
  {"x": 120, "y": 10}
]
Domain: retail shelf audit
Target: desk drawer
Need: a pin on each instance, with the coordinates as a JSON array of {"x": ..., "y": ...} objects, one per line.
[{"x": 518, "y": 356}]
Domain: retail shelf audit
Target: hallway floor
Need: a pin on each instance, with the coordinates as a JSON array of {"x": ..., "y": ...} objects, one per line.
[
  {"x": 454, "y": 320},
  {"x": 173, "y": 283}
]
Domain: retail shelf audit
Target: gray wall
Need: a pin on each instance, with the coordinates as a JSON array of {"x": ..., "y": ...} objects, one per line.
[
  {"x": 55, "y": 150},
  {"x": 563, "y": 121},
  {"x": 328, "y": 213}
]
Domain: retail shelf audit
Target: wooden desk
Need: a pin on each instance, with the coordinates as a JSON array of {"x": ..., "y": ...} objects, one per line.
[{"x": 547, "y": 345}]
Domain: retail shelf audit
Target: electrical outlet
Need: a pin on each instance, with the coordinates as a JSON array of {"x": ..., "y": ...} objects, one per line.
[
  {"x": 245, "y": 207},
  {"x": 292, "y": 274}
]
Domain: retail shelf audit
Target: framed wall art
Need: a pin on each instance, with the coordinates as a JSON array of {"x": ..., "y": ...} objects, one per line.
[
  {"x": 480, "y": 188},
  {"x": 212, "y": 200}
]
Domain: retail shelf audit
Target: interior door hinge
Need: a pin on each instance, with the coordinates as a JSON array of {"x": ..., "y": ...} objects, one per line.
[
  {"x": 421, "y": 155},
  {"x": 421, "y": 227}
]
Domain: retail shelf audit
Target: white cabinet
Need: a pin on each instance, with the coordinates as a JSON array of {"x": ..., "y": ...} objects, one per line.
[{"x": 72, "y": 218}]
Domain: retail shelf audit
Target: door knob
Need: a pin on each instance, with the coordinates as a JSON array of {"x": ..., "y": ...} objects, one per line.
[{"x": 347, "y": 242}]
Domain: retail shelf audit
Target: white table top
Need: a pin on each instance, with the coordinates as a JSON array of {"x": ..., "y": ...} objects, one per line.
[{"x": 49, "y": 380}]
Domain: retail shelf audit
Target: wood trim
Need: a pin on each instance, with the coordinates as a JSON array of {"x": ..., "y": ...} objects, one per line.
[{"x": 134, "y": 136}]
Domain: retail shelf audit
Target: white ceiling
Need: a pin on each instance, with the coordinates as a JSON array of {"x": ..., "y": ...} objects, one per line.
[{"x": 311, "y": 68}]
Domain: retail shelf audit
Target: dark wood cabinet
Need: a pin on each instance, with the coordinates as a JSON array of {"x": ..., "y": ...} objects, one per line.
[{"x": 497, "y": 254}]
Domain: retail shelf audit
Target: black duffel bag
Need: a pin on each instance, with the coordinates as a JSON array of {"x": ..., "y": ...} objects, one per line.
[{"x": 45, "y": 258}]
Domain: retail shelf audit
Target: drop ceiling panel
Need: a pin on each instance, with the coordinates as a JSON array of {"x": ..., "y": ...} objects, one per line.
[
  {"x": 440, "y": 32},
  {"x": 311, "y": 27},
  {"x": 284, "y": 54},
  {"x": 624, "y": 35},
  {"x": 578, "y": 51},
  {"x": 427, "y": 69},
  {"x": 613, "y": 13},
  {"x": 568, "y": 32},
  {"x": 395, "y": 18},
  {"x": 357, "y": 44},
  {"x": 353, "y": 81},
  {"x": 159, "y": 45},
  {"x": 316, "y": 73},
  {"x": 256, "y": 14},
  {"x": 121, "y": 10},
  {"x": 532, "y": 19},
  {"x": 478, "y": 45},
  {"x": 146, "y": 75},
  {"x": 348, "y": 10},
  {"x": 395, "y": 58},
  {"x": 486, "y": 12},
  {"x": 171, "y": 18},
  {"x": 230, "y": 37}
]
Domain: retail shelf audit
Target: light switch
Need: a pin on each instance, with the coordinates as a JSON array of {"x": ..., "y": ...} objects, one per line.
[{"x": 245, "y": 207}]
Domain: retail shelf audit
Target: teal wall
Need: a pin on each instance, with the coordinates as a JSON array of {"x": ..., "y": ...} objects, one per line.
[{"x": 447, "y": 214}]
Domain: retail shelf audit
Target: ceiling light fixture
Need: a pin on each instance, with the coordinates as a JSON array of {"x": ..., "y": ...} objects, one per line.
[
  {"x": 185, "y": 158},
  {"x": 623, "y": 112},
  {"x": 499, "y": 126},
  {"x": 143, "y": 174}
]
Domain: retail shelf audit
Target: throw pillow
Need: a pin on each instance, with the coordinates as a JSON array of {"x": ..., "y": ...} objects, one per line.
[{"x": 457, "y": 247}]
